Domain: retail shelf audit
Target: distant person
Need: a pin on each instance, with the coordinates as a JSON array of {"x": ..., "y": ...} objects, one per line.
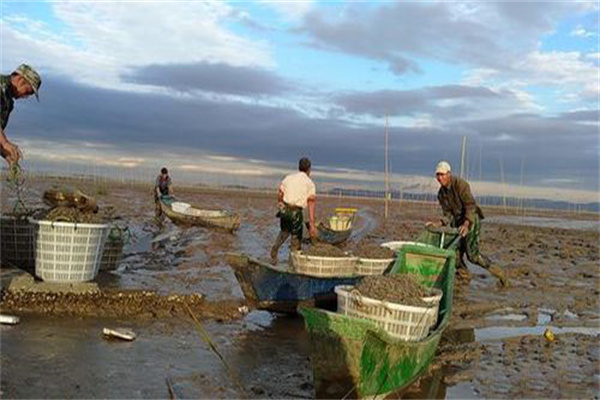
[
  {"x": 461, "y": 211},
  {"x": 296, "y": 192},
  {"x": 22, "y": 83},
  {"x": 162, "y": 187}
]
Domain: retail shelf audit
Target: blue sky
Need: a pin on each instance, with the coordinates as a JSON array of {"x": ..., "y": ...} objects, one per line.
[{"x": 218, "y": 85}]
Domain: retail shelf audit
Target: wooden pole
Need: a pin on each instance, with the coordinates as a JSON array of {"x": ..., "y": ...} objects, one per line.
[
  {"x": 386, "y": 169},
  {"x": 503, "y": 186},
  {"x": 462, "y": 157}
]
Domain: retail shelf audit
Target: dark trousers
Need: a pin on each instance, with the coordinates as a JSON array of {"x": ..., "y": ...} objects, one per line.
[{"x": 291, "y": 220}]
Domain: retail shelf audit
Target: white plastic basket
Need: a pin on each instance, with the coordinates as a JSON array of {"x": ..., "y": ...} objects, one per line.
[
  {"x": 405, "y": 322},
  {"x": 16, "y": 242},
  {"x": 68, "y": 252},
  {"x": 322, "y": 266},
  {"x": 113, "y": 250},
  {"x": 373, "y": 266}
]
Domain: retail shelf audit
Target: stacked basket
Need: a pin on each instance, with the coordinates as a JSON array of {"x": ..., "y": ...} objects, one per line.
[
  {"x": 68, "y": 252},
  {"x": 373, "y": 266},
  {"x": 113, "y": 250},
  {"x": 322, "y": 266},
  {"x": 16, "y": 242},
  {"x": 402, "y": 321}
]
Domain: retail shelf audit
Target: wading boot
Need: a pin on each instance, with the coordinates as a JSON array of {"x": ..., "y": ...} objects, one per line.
[
  {"x": 274, "y": 259},
  {"x": 500, "y": 274},
  {"x": 463, "y": 276}
]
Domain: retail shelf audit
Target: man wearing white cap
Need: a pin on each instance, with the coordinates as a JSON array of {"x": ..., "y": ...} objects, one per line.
[
  {"x": 22, "y": 83},
  {"x": 460, "y": 210}
]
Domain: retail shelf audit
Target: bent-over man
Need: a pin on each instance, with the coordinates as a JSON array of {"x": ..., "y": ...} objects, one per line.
[
  {"x": 460, "y": 210},
  {"x": 22, "y": 83},
  {"x": 296, "y": 192}
]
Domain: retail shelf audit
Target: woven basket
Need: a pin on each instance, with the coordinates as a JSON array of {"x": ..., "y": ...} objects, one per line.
[
  {"x": 373, "y": 266},
  {"x": 16, "y": 242},
  {"x": 410, "y": 323},
  {"x": 322, "y": 266}
]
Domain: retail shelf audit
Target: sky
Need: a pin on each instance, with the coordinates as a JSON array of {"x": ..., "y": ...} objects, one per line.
[{"x": 248, "y": 87}]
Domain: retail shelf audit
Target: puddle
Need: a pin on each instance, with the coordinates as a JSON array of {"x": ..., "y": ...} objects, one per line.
[
  {"x": 507, "y": 317},
  {"x": 546, "y": 222},
  {"x": 500, "y": 332}
]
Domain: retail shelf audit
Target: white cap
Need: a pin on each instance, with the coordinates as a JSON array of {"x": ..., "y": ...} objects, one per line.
[{"x": 443, "y": 167}]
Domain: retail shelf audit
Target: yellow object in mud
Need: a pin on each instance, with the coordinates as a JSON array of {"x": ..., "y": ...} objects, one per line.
[{"x": 549, "y": 335}]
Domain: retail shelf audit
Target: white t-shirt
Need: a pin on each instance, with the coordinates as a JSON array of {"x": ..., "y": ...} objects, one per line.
[{"x": 297, "y": 188}]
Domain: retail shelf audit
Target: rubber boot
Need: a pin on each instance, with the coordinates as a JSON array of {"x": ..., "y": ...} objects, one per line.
[{"x": 500, "y": 274}]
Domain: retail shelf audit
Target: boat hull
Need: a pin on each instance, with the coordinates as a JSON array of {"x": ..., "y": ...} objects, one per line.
[
  {"x": 275, "y": 289},
  {"x": 352, "y": 357},
  {"x": 229, "y": 223}
]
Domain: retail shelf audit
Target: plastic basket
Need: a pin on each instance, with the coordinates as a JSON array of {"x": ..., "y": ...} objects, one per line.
[
  {"x": 113, "y": 250},
  {"x": 404, "y": 322},
  {"x": 16, "y": 242},
  {"x": 373, "y": 266},
  {"x": 322, "y": 266},
  {"x": 68, "y": 252},
  {"x": 396, "y": 246}
]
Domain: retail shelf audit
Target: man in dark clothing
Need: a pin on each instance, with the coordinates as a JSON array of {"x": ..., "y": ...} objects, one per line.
[
  {"x": 461, "y": 211},
  {"x": 162, "y": 187},
  {"x": 22, "y": 83}
]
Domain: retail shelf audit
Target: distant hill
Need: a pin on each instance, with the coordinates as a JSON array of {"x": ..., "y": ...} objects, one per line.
[{"x": 483, "y": 200}]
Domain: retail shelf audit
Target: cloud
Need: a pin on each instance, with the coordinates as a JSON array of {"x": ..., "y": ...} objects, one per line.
[
  {"x": 443, "y": 101},
  {"x": 218, "y": 78},
  {"x": 481, "y": 35},
  {"x": 582, "y": 33},
  {"x": 290, "y": 10},
  {"x": 101, "y": 41},
  {"x": 172, "y": 129}
]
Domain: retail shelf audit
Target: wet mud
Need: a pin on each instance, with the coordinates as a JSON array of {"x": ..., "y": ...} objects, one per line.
[{"x": 493, "y": 348}]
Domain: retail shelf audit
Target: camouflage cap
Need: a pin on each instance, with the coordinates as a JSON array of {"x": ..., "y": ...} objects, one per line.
[{"x": 30, "y": 76}]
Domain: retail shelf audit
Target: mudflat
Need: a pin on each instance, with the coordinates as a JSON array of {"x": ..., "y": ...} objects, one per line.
[{"x": 493, "y": 348}]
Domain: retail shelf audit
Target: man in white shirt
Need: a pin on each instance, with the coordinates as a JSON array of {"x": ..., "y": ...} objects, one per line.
[{"x": 296, "y": 192}]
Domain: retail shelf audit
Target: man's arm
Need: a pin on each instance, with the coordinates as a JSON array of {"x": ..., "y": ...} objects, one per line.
[
  {"x": 464, "y": 191},
  {"x": 9, "y": 151},
  {"x": 311, "y": 201}
]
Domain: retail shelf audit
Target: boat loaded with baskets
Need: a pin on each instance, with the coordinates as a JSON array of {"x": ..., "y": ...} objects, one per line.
[
  {"x": 308, "y": 279},
  {"x": 372, "y": 348},
  {"x": 185, "y": 214},
  {"x": 338, "y": 227},
  {"x": 279, "y": 289}
]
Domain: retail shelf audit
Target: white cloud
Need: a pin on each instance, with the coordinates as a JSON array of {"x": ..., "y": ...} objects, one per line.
[
  {"x": 291, "y": 10},
  {"x": 104, "y": 40},
  {"x": 582, "y": 33}
]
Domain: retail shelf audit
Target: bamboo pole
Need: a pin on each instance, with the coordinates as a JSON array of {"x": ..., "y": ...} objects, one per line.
[{"x": 386, "y": 169}]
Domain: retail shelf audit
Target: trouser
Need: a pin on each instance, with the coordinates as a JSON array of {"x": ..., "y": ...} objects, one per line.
[
  {"x": 157, "y": 209},
  {"x": 469, "y": 245},
  {"x": 291, "y": 220}
]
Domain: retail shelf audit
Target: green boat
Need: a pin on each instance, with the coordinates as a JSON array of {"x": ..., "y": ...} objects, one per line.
[{"x": 352, "y": 357}]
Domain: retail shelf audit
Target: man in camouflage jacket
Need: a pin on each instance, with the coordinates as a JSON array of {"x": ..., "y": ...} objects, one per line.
[
  {"x": 460, "y": 210},
  {"x": 22, "y": 83}
]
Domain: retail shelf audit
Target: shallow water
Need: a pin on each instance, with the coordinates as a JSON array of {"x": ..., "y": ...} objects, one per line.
[
  {"x": 66, "y": 358},
  {"x": 542, "y": 222}
]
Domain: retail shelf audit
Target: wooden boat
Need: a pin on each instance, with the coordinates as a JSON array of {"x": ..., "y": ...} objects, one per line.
[
  {"x": 276, "y": 289},
  {"x": 199, "y": 217},
  {"x": 328, "y": 235},
  {"x": 354, "y": 357},
  {"x": 343, "y": 217}
]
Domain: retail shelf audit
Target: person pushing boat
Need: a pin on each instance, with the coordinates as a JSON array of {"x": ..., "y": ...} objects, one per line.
[
  {"x": 296, "y": 192},
  {"x": 460, "y": 210},
  {"x": 162, "y": 187}
]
